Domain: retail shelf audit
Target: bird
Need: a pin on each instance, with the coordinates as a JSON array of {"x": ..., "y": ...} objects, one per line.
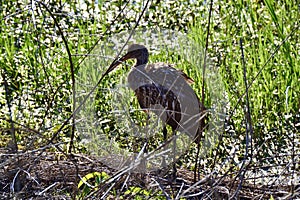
[{"x": 164, "y": 90}]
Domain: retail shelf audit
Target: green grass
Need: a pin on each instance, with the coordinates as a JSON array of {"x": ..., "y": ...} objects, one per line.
[
  {"x": 269, "y": 33},
  {"x": 37, "y": 69}
]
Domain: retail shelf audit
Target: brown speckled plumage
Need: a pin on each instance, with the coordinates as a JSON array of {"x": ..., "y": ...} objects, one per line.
[{"x": 164, "y": 90}]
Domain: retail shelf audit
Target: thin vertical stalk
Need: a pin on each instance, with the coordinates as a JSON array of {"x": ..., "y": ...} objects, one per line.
[
  {"x": 14, "y": 146},
  {"x": 249, "y": 127},
  {"x": 203, "y": 90}
]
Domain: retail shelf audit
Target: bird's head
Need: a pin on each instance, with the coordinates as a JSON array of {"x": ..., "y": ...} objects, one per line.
[{"x": 135, "y": 51}]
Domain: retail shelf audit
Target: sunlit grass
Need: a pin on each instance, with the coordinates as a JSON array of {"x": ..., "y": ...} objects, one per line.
[{"x": 34, "y": 61}]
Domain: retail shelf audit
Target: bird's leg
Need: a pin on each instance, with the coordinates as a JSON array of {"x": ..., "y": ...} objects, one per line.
[
  {"x": 165, "y": 134},
  {"x": 174, "y": 155},
  {"x": 143, "y": 163},
  {"x": 147, "y": 136},
  {"x": 147, "y": 124}
]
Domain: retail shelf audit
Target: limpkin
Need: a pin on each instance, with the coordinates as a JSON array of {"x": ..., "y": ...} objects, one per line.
[{"x": 164, "y": 90}]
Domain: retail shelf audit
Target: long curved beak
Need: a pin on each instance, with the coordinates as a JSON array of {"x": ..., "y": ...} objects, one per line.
[
  {"x": 112, "y": 67},
  {"x": 117, "y": 62}
]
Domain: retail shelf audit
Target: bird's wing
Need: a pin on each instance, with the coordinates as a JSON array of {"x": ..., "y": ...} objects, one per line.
[
  {"x": 172, "y": 80},
  {"x": 170, "y": 68}
]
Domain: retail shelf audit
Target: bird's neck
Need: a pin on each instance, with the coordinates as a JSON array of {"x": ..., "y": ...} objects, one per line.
[{"x": 142, "y": 61}]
